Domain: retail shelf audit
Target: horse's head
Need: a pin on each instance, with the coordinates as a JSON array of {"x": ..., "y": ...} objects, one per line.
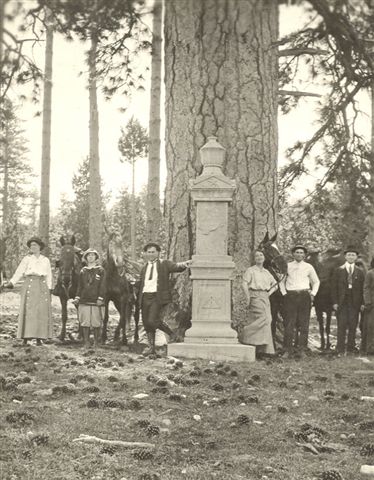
[
  {"x": 68, "y": 261},
  {"x": 274, "y": 261}
]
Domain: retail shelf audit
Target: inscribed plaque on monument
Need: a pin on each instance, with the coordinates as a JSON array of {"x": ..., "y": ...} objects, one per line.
[
  {"x": 211, "y": 301},
  {"x": 211, "y": 231}
]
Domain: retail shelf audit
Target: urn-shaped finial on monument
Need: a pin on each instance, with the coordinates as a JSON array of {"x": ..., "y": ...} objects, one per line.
[{"x": 212, "y": 156}]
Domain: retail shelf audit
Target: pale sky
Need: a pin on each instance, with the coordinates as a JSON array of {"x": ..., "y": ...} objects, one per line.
[{"x": 70, "y": 120}]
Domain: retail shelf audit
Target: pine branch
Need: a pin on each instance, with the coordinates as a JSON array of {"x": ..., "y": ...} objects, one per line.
[
  {"x": 288, "y": 52},
  {"x": 295, "y": 93}
]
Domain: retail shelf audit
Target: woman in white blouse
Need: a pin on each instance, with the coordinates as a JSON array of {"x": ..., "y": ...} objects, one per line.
[
  {"x": 258, "y": 285},
  {"x": 35, "y": 316}
]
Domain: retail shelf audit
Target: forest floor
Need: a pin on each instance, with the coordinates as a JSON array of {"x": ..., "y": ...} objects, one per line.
[{"x": 206, "y": 420}]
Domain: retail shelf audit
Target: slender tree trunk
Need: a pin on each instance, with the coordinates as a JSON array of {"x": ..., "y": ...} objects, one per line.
[
  {"x": 6, "y": 177},
  {"x": 133, "y": 215},
  {"x": 153, "y": 192},
  {"x": 2, "y": 11},
  {"x": 221, "y": 79},
  {"x": 46, "y": 136},
  {"x": 370, "y": 239},
  {"x": 95, "y": 221}
]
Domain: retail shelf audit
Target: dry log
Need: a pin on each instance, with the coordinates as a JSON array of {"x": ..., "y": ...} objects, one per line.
[{"x": 117, "y": 443}]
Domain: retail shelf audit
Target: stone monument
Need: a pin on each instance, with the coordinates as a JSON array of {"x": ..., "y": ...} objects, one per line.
[{"x": 211, "y": 335}]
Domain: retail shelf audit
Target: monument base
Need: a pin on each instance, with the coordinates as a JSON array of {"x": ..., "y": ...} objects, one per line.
[{"x": 213, "y": 351}]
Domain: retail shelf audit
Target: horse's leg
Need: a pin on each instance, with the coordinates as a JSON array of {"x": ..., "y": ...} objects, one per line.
[
  {"x": 328, "y": 325},
  {"x": 104, "y": 335},
  {"x": 319, "y": 314},
  {"x": 136, "y": 318},
  {"x": 64, "y": 317},
  {"x": 118, "y": 304}
]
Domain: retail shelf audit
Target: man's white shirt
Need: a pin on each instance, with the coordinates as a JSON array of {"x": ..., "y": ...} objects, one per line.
[
  {"x": 150, "y": 286},
  {"x": 300, "y": 276}
]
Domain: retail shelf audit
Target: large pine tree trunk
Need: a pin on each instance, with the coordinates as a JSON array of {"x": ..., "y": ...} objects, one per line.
[
  {"x": 46, "y": 136},
  {"x": 370, "y": 239},
  {"x": 153, "y": 191},
  {"x": 95, "y": 221},
  {"x": 221, "y": 79}
]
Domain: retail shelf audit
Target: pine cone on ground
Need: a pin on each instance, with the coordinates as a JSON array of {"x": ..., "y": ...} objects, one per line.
[
  {"x": 217, "y": 387},
  {"x": 143, "y": 454},
  {"x": 91, "y": 389},
  {"x": 282, "y": 409},
  {"x": 243, "y": 419},
  {"x": 367, "y": 450},
  {"x": 108, "y": 449},
  {"x": 112, "y": 378},
  {"x": 153, "y": 430},
  {"x": 19, "y": 417},
  {"x": 113, "y": 404},
  {"x": 332, "y": 475},
  {"x": 149, "y": 476},
  {"x": 143, "y": 423},
  {"x": 40, "y": 439},
  {"x": 93, "y": 403},
  {"x": 135, "y": 405},
  {"x": 176, "y": 397},
  {"x": 160, "y": 390},
  {"x": 366, "y": 425},
  {"x": 26, "y": 454}
]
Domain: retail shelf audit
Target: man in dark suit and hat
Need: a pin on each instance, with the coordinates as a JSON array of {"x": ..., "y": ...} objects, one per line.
[
  {"x": 347, "y": 299},
  {"x": 154, "y": 291},
  {"x": 299, "y": 288}
]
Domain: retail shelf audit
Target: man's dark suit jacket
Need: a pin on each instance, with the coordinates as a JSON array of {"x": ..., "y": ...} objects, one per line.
[
  {"x": 164, "y": 269},
  {"x": 339, "y": 286}
]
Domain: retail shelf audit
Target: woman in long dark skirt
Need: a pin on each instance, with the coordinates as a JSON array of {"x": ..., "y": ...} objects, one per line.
[{"x": 35, "y": 316}]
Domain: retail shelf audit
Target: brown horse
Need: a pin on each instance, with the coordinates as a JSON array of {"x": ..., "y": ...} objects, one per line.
[
  {"x": 121, "y": 292},
  {"x": 69, "y": 265}
]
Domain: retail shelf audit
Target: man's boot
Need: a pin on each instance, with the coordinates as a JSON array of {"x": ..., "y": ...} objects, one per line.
[{"x": 150, "y": 350}]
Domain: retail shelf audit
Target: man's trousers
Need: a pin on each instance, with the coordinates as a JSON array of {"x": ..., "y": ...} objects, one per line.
[{"x": 297, "y": 305}]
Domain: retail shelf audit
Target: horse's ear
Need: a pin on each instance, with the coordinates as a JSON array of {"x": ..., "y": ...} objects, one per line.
[
  {"x": 274, "y": 237},
  {"x": 72, "y": 240},
  {"x": 62, "y": 240},
  {"x": 266, "y": 238}
]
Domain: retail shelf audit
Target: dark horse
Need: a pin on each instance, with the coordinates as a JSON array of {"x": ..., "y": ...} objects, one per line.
[
  {"x": 324, "y": 268},
  {"x": 277, "y": 266},
  {"x": 121, "y": 292},
  {"x": 69, "y": 265}
]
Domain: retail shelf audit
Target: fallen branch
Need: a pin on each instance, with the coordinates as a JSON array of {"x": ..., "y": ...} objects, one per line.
[
  {"x": 296, "y": 93},
  {"x": 295, "y": 52},
  {"x": 117, "y": 443}
]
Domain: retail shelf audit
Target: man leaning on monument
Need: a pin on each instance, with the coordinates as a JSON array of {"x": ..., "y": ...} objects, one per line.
[
  {"x": 299, "y": 287},
  {"x": 154, "y": 292}
]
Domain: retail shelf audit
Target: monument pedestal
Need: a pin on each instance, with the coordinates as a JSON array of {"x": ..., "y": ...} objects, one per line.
[
  {"x": 222, "y": 352},
  {"x": 211, "y": 335}
]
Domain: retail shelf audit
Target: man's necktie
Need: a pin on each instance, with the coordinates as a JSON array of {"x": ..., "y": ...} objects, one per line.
[
  {"x": 151, "y": 272},
  {"x": 350, "y": 276}
]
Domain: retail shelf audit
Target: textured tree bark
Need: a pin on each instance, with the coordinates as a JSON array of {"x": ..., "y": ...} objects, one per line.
[
  {"x": 133, "y": 214},
  {"x": 95, "y": 223},
  {"x": 221, "y": 79},
  {"x": 46, "y": 137},
  {"x": 370, "y": 237},
  {"x": 153, "y": 191}
]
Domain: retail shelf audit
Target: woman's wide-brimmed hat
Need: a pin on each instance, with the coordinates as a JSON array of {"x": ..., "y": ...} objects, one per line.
[
  {"x": 90, "y": 250},
  {"x": 36, "y": 240},
  {"x": 299, "y": 247},
  {"x": 352, "y": 249}
]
